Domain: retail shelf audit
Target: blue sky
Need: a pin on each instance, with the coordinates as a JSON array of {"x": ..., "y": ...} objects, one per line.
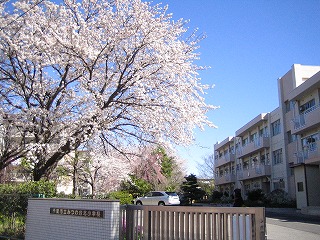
[{"x": 249, "y": 45}]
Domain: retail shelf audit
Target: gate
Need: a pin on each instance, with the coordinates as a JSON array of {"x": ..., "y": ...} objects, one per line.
[{"x": 194, "y": 223}]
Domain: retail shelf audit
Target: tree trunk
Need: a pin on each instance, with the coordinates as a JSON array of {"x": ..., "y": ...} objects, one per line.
[
  {"x": 44, "y": 167},
  {"x": 74, "y": 181}
]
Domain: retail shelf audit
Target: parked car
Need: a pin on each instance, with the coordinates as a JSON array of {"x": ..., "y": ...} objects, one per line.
[{"x": 158, "y": 198}]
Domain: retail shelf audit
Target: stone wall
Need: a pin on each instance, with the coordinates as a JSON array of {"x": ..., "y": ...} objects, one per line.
[{"x": 57, "y": 219}]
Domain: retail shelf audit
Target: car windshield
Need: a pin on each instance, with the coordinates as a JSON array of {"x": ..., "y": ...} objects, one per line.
[{"x": 171, "y": 193}]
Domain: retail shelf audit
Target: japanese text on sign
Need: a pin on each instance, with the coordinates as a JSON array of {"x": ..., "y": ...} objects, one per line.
[{"x": 78, "y": 212}]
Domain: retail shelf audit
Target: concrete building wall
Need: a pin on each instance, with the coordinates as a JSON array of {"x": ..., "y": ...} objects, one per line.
[
  {"x": 297, "y": 87},
  {"x": 303, "y": 72},
  {"x": 301, "y": 189},
  {"x": 279, "y": 169}
]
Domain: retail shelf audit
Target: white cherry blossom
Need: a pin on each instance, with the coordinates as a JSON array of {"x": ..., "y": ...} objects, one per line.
[{"x": 121, "y": 69}]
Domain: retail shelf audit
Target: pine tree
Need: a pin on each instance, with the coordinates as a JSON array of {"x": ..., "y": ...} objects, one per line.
[{"x": 191, "y": 189}]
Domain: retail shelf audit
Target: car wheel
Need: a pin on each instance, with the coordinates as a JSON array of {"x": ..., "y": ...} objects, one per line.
[
  {"x": 161, "y": 204},
  {"x": 139, "y": 203}
]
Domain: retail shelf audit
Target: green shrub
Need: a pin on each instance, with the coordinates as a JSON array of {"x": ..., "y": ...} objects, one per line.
[
  {"x": 255, "y": 195},
  {"x": 279, "y": 198},
  {"x": 124, "y": 197},
  {"x": 136, "y": 186},
  {"x": 14, "y": 202},
  {"x": 216, "y": 196}
]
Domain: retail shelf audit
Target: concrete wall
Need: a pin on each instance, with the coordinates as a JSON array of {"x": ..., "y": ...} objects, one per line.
[
  {"x": 301, "y": 196},
  {"x": 303, "y": 72},
  {"x": 279, "y": 171},
  {"x": 57, "y": 219}
]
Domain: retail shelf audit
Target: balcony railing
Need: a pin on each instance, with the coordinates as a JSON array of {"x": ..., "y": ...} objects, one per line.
[
  {"x": 255, "y": 145},
  {"x": 310, "y": 154},
  {"x": 224, "y": 159},
  {"x": 227, "y": 178},
  {"x": 307, "y": 119},
  {"x": 254, "y": 172}
]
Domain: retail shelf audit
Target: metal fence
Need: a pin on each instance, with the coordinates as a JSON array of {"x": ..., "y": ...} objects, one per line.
[{"x": 194, "y": 223}]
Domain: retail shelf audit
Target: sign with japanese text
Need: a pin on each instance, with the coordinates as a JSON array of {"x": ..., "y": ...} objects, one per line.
[{"x": 78, "y": 212}]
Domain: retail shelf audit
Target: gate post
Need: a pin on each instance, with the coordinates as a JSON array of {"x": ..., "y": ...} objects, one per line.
[{"x": 146, "y": 223}]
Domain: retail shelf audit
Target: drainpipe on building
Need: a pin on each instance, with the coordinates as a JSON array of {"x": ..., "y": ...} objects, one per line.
[{"x": 306, "y": 183}]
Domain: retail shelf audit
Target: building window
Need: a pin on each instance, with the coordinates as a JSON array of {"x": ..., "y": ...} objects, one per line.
[
  {"x": 245, "y": 165},
  {"x": 264, "y": 132},
  {"x": 300, "y": 186},
  {"x": 279, "y": 184},
  {"x": 239, "y": 166},
  {"x": 277, "y": 156},
  {"x": 291, "y": 172},
  {"x": 245, "y": 141},
  {"x": 288, "y": 106},
  {"x": 276, "y": 129},
  {"x": 307, "y": 107},
  {"x": 291, "y": 137},
  {"x": 256, "y": 185},
  {"x": 310, "y": 142},
  {"x": 247, "y": 188},
  {"x": 231, "y": 150},
  {"x": 253, "y": 136}
]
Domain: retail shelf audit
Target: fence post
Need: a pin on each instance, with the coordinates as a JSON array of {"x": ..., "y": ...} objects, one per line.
[
  {"x": 123, "y": 209},
  {"x": 146, "y": 223},
  {"x": 260, "y": 220},
  {"x": 129, "y": 223}
]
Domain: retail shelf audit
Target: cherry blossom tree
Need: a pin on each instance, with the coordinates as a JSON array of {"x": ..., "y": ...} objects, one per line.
[
  {"x": 121, "y": 69},
  {"x": 12, "y": 143},
  {"x": 103, "y": 171},
  {"x": 149, "y": 167},
  {"x": 160, "y": 167}
]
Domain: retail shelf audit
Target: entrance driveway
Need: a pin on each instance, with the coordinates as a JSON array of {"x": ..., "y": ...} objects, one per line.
[{"x": 289, "y": 224}]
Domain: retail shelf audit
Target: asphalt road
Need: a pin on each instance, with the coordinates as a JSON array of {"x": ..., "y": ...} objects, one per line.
[{"x": 292, "y": 226}]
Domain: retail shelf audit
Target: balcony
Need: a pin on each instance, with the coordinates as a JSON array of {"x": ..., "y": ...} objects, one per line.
[
  {"x": 254, "y": 172},
  {"x": 310, "y": 155},
  {"x": 224, "y": 159},
  {"x": 228, "y": 178},
  {"x": 254, "y": 146},
  {"x": 307, "y": 120}
]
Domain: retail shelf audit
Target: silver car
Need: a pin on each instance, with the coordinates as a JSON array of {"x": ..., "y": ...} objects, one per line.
[{"x": 158, "y": 198}]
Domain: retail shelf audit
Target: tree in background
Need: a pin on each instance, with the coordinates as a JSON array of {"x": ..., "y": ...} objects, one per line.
[
  {"x": 70, "y": 167},
  {"x": 191, "y": 190},
  {"x": 136, "y": 186},
  {"x": 173, "y": 170},
  {"x": 121, "y": 69},
  {"x": 93, "y": 166},
  {"x": 19, "y": 171},
  {"x": 12, "y": 144},
  {"x": 158, "y": 168},
  {"x": 208, "y": 187},
  {"x": 206, "y": 169},
  {"x": 149, "y": 167}
]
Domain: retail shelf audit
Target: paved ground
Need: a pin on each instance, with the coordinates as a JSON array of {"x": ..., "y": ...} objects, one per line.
[{"x": 289, "y": 224}]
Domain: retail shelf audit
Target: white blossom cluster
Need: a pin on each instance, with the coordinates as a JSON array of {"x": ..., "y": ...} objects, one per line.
[{"x": 119, "y": 68}]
